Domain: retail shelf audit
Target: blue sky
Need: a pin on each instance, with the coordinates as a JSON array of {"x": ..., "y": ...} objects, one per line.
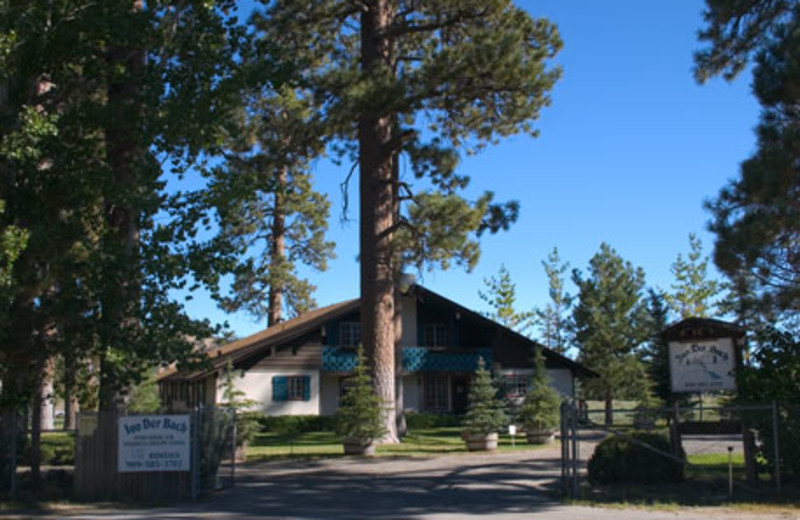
[{"x": 628, "y": 152}]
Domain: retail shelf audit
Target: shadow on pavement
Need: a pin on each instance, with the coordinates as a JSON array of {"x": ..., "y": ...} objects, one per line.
[{"x": 384, "y": 489}]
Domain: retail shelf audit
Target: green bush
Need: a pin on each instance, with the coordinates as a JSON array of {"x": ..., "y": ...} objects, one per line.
[
  {"x": 618, "y": 459},
  {"x": 424, "y": 421},
  {"x": 541, "y": 409},
  {"x": 297, "y": 423}
]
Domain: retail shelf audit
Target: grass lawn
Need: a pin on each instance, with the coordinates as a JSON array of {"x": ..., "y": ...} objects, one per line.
[
  {"x": 418, "y": 443},
  {"x": 714, "y": 466}
]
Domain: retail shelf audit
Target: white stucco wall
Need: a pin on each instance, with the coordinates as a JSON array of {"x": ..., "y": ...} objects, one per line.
[
  {"x": 257, "y": 385},
  {"x": 412, "y": 393},
  {"x": 330, "y": 395},
  {"x": 560, "y": 378},
  {"x": 409, "y": 313}
]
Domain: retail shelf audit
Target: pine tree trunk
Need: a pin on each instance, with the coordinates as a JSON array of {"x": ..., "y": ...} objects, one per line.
[
  {"x": 377, "y": 221},
  {"x": 125, "y": 158},
  {"x": 36, "y": 427},
  {"x": 609, "y": 408},
  {"x": 277, "y": 251},
  {"x": 400, "y": 417},
  {"x": 70, "y": 399},
  {"x": 46, "y": 412}
]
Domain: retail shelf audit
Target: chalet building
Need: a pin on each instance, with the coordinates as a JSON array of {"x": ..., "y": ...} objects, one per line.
[{"x": 301, "y": 366}]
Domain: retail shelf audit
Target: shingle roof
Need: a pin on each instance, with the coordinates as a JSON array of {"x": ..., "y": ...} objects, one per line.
[
  {"x": 311, "y": 320},
  {"x": 266, "y": 338}
]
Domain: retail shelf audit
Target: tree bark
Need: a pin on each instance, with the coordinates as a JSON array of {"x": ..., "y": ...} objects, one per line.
[
  {"x": 277, "y": 251},
  {"x": 609, "y": 408},
  {"x": 70, "y": 399},
  {"x": 377, "y": 220},
  {"x": 45, "y": 411},
  {"x": 36, "y": 426}
]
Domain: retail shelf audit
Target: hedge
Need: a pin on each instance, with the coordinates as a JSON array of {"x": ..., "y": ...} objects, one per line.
[{"x": 618, "y": 459}]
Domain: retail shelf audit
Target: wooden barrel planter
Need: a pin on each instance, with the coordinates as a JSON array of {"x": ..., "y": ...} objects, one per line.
[{"x": 481, "y": 441}]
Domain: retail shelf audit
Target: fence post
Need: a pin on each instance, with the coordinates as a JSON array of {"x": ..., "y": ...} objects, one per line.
[
  {"x": 233, "y": 447},
  {"x": 13, "y": 462},
  {"x": 564, "y": 449},
  {"x": 575, "y": 454},
  {"x": 776, "y": 441},
  {"x": 195, "y": 459}
]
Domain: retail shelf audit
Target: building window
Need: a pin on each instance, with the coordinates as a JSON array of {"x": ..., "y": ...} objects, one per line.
[
  {"x": 436, "y": 393},
  {"x": 435, "y": 335},
  {"x": 350, "y": 333},
  {"x": 291, "y": 388},
  {"x": 517, "y": 385}
]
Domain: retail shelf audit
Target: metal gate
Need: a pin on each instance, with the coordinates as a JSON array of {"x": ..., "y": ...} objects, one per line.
[{"x": 718, "y": 446}]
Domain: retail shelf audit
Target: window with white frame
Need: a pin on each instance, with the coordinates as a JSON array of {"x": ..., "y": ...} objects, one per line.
[
  {"x": 436, "y": 393},
  {"x": 517, "y": 385},
  {"x": 435, "y": 335},
  {"x": 350, "y": 333}
]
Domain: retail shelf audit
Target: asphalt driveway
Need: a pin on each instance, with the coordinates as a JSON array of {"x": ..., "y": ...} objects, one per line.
[{"x": 504, "y": 486}]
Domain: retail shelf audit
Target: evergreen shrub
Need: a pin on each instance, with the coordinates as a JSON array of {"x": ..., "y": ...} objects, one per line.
[
  {"x": 485, "y": 413},
  {"x": 418, "y": 421},
  {"x": 618, "y": 459}
]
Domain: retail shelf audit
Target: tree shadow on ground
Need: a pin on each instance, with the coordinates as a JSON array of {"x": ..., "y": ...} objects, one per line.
[{"x": 312, "y": 490}]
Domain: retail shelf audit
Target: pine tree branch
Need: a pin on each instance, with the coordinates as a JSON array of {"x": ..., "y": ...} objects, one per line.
[{"x": 344, "y": 186}]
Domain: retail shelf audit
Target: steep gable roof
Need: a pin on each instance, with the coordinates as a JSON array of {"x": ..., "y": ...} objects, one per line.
[
  {"x": 312, "y": 320},
  {"x": 578, "y": 368}
]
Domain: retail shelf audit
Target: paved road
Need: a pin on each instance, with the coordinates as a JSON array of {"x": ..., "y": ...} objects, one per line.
[{"x": 506, "y": 486}]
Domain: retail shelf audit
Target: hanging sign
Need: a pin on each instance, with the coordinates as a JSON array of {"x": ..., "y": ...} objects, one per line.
[
  {"x": 153, "y": 443},
  {"x": 702, "y": 366}
]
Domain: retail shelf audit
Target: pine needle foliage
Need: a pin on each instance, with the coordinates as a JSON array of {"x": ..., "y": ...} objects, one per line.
[
  {"x": 542, "y": 405},
  {"x": 360, "y": 414},
  {"x": 485, "y": 412}
]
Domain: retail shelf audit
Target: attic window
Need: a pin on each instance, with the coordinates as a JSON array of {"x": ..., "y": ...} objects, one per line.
[
  {"x": 435, "y": 335},
  {"x": 350, "y": 333}
]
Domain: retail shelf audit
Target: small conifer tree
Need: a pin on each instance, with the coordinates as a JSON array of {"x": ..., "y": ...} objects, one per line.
[
  {"x": 246, "y": 420},
  {"x": 541, "y": 408},
  {"x": 360, "y": 414},
  {"x": 485, "y": 412}
]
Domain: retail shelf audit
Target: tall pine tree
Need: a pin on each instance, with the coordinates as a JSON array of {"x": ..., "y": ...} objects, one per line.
[
  {"x": 423, "y": 81},
  {"x": 554, "y": 320},
  {"x": 693, "y": 292},
  {"x": 755, "y": 218},
  {"x": 501, "y": 295},
  {"x": 269, "y": 213},
  {"x": 611, "y": 326}
]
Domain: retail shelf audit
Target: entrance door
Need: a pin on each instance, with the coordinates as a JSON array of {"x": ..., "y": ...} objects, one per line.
[{"x": 460, "y": 391}]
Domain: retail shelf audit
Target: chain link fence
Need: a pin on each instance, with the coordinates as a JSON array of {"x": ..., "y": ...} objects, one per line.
[
  {"x": 12, "y": 427},
  {"x": 729, "y": 448}
]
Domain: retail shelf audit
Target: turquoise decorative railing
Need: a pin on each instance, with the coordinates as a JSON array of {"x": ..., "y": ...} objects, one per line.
[{"x": 415, "y": 359}]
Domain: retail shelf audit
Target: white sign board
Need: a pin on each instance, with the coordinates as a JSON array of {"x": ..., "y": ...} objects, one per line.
[
  {"x": 153, "y": 443},
  {"x": 702, "y": 366}
]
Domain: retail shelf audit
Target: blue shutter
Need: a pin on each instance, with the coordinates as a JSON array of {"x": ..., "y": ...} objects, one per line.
[
  {"x": 280, "y": 388},
  {"x": 306, "y": 388}
]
